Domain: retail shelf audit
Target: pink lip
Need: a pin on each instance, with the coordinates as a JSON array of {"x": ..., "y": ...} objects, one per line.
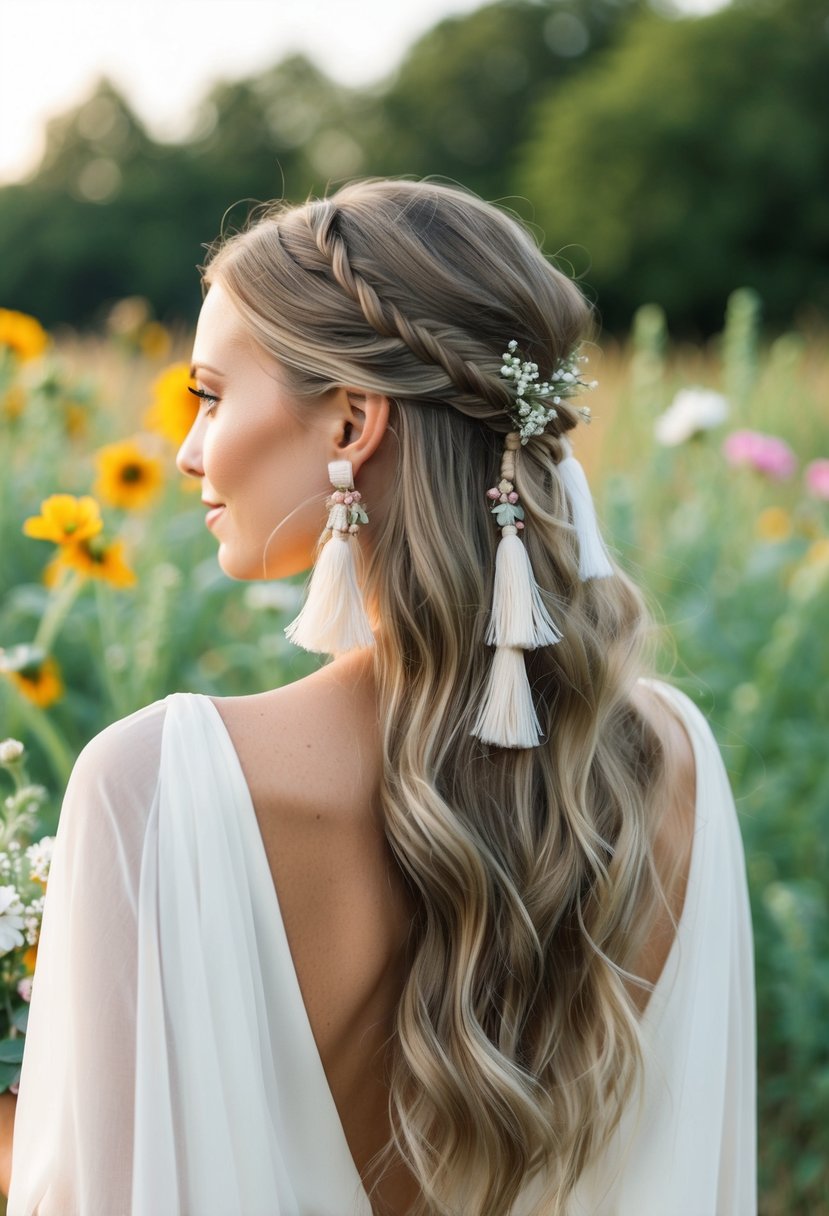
[{"x": 212, "y": 516}]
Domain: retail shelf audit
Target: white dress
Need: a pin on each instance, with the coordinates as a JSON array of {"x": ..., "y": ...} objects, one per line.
[{"x": 170, "y": 1068}]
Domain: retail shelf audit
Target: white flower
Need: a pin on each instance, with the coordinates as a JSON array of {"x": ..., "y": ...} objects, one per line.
[
  {"x": 10, "y": 750},
  {"x": 11, "y": 922},
  {"x": 691, "y": 411},
  {"x": 40, "y": 857}
]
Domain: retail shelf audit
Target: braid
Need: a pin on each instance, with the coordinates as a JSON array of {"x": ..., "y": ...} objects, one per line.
[{"x": 472, "y": 384}]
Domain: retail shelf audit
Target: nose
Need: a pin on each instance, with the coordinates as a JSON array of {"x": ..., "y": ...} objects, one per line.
[{"x": 189, "y": 457}]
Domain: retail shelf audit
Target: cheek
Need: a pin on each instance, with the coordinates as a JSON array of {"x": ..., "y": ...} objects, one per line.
[{"x": 265, "y": 470}]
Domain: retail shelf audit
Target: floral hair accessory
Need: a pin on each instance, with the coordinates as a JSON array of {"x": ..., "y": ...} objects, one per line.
[{"x": 532, "y": 412}]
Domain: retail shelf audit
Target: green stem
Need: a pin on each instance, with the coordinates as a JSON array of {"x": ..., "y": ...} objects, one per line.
[
  {"x": 60, "y": 757},
  {"x": 63, "y": 596},
  {"x": 107, "y": 639}
]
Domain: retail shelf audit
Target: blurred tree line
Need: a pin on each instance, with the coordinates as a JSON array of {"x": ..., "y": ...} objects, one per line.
[{"x": 659, "y": 158}]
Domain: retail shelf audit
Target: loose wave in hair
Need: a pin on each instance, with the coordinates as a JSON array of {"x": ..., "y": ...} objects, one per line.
[{"x": 532, "y": 871}]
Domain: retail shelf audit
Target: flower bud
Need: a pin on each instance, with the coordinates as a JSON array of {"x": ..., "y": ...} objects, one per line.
[{"x": 10, "y": 750}]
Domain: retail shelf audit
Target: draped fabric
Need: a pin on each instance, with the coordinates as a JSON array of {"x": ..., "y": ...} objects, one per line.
[{"x": 170, "y": 1068}]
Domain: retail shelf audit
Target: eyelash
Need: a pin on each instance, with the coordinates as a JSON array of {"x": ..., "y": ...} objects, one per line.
[{"x": 197, "y": 392}]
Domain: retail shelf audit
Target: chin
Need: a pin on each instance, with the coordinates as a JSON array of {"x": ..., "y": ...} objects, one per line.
[{"x": 279, "y": 567}]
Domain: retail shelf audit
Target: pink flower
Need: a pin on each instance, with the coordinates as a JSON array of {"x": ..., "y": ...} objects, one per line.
[
  {"x": 817, "y": 478},
  {"x": 765, "y": 453},
  {"x": 24, "y": 987}
]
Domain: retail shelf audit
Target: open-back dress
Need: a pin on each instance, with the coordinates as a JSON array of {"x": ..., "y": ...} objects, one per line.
[{"x": 170, "y": 1068}]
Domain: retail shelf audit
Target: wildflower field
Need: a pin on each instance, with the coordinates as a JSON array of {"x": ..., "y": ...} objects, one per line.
[{"x": 710, "y": 470}]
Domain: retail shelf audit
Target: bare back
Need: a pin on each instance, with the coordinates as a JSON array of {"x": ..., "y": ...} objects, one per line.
[{"x": 311, "y": 755}]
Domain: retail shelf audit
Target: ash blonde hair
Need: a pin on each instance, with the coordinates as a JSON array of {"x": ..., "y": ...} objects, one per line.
[{"x": 533, "y": 871}]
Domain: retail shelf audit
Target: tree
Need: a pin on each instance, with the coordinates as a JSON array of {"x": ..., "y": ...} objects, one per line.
[
  {"x": 690, "y": 158},
  {"x": 459, "y": 103}
]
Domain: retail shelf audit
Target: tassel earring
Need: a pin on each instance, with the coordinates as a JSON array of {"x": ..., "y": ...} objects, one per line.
[
  {"x": 519, "y": 622},
  {"x": 333, "y": 618},
  {"x": 594, "y": 561}
]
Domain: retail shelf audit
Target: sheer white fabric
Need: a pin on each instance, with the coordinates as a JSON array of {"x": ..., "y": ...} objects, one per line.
[{"x": 170, "y": 1068}]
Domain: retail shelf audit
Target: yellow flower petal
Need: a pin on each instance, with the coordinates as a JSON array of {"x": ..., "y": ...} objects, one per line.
[
  {"x": 96, "y": 559},
  {"x": 127, "y": 477},
  {"x": 41, "y": 686},
  {"x": 23, "y": 335},
  {"x": 174, "y": 409},
  {"x": 65, "y": 519}
]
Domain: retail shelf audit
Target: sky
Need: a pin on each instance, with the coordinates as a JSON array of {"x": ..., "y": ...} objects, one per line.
[{"x": 165, "y": 54}]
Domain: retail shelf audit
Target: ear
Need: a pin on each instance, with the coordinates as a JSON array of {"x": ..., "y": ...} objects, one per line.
[{"x": 363, "y": 418}]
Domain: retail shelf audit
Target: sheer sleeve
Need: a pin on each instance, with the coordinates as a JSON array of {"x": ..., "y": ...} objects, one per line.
[{"x": 73, "y": 1136}]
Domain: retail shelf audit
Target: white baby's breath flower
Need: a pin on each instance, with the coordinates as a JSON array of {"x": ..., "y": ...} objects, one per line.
[
  {"x": 691, "y": 411},
  {"x": 11, "y": 919},
  {"x": 10, "y": 750},
  {"x": 40, "y": 857}
]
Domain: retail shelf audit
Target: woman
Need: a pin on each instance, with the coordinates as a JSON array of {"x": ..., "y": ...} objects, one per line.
[{"x": 459, "y": 923}]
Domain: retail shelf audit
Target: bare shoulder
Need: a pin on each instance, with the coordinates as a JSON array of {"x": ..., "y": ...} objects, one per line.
[{"x": 315, "y": 742}]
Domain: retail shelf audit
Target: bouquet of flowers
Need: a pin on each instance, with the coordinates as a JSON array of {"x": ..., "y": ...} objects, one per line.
[{"x": 24, "y": 871}]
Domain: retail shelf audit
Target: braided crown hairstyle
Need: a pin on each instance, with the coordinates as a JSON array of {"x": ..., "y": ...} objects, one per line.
[{"x": 532, "y": 870}]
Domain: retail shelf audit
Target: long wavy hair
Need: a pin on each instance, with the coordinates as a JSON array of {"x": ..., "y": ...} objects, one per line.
[{"x": 532, "y": 871}]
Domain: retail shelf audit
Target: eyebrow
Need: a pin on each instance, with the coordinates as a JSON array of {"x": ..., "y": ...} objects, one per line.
[{"x": 205, "y": 367}]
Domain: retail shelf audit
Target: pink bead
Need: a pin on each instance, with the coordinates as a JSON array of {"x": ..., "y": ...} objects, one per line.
[
  {"x": 513, "y": 497},
  {"x": 356, "y": 495},
  {"x": 493, "y": 493},
  {"x": 338, "y": 496},
  {"x": 518, "y": 524},
  {"x": 349, "y": 499}
]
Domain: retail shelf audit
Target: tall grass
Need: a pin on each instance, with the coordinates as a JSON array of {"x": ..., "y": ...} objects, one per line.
[{"x": 735, "y": 562}]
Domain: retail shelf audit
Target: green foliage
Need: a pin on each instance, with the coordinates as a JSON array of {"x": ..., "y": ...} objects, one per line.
[
  {"x": 744, "y": 607},
  {"x": 458, "y": 104},
  {"x": 183, "y": 625},
  {"x": 669, "y": 160},
  {"x": 689, "y": 157}
]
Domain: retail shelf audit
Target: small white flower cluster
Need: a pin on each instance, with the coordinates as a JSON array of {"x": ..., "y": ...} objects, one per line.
[
  {"x": 11, "y": 920},
  {"x": 10, "y": 751},
  {"x": 692, "y": 411},
  {"x": 33, "y": 919},
  {"x": 39, "y": 856},
  {"x": 532, "y": 413}
]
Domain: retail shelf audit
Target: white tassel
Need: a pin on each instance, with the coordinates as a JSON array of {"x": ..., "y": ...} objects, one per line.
[
  {"x": 333, "y": 618},
  {"x": 507, "y": 715},
  {"x": 519, "y": 616},
  {"x": 594, "y": 561}
]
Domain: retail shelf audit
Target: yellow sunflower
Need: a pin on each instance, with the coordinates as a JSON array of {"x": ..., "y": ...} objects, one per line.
[
  {"x": 65, "y": 519},
  {"x": 174, "y": 409},
  {"x": 94, "y": 558},
  {"x": 39, "y": 683},
  {"x": 23, "y": 335},
  {"x": 126, "y": 476}
]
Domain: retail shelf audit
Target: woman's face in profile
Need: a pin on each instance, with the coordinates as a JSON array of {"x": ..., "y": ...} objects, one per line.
[{"x": 251, "y": 453}]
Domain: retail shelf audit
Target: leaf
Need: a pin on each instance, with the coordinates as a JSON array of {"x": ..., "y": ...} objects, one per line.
[
  {"x": 20, "y": 1018},
  {"x": 8, "y": 1074},
  {"x": 11, "y": 1051}
]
